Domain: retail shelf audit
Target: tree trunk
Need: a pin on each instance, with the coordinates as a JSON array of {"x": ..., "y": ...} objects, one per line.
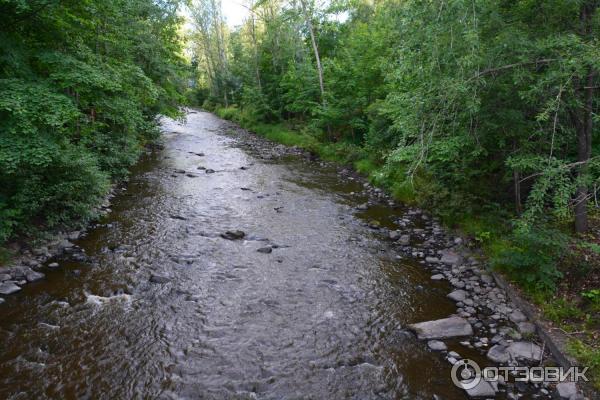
[
  {"x": 518, "y": 202},
  {"x": 584, "y": 152},
  {"x": 584, "y": 123},
  {"x": 311, "y": 30},
  {"x": 255, "y": 47}
]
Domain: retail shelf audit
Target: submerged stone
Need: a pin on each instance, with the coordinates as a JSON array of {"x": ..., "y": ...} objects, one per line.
[
  {"x": 233, "y": 235},
  {"x": 159, "y": 279}
]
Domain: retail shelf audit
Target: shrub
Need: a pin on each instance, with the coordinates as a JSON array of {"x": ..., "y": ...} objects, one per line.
[{"x": 531, "y": 258}]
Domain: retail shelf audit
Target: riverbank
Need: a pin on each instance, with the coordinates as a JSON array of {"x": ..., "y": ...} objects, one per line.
[
  {"x": 24, "y": 259},
  {"x": 574, "y": 334}
]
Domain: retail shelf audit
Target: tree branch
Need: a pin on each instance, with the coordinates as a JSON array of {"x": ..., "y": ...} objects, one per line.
[{"x": 509, "y": 66}]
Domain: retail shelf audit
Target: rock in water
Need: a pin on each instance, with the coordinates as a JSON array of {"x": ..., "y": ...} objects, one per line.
[
  {"x": 442, "y": 328},
  {"x": 159, "y": 279},
  {"x": 233, "y": 235},
  {"x": 33, "y": 276},
  {"x": 405, "y": 240},
  {"x": 458, "y": 295},
  {"x": 9, "y": 288},
  {"x": 265, "y": 250},
  {"x": 498, "y": 354},
  {"x": 437, "y": 345},
  {"x": 525, "y": 351}
]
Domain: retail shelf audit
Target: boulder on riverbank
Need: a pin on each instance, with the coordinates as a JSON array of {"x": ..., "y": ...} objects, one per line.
[
  {"x": 9, "y": 288},
  {"x": 517, "y": 351},
  {"x": 442, "y": 328}
]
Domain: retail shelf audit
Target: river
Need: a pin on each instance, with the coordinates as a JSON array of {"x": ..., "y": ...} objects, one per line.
[{"x": 322, "y": 316}]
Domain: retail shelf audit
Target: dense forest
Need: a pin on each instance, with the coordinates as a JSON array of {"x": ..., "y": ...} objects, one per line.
[
  {"x": 479, "y": 109},
  {"x": 81, "y": 83}
]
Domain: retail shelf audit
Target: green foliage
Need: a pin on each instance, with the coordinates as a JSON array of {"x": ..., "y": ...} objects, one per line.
[
  {"x": 593, "y": 296},
  {"x": 589, "y": 357},
  {"x": 560, "y": 310},
  {"x": 461, "y": 104},
  {"x": 80, "y": 86},
  {"x": 532, "y": 258}
]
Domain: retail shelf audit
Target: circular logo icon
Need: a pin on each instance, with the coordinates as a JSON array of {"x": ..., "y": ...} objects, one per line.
[{"x": 466, "y": 374}]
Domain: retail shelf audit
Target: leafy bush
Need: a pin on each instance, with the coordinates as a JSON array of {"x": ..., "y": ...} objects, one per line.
[
  {"x": 75, "y": 108},
  {"x": 593, "y": 296},
  {"x": 531, "y": 258}
]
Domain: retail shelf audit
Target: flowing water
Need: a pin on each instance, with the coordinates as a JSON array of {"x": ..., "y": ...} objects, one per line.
[{"x": 323, "y": 316}]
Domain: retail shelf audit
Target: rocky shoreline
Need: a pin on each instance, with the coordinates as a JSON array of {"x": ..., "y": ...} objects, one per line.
[
  {"x": 28, "y": 263},
  {"x": 486, "y": 319}
]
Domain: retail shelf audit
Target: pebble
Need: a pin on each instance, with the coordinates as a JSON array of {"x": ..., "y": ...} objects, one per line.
[
  {"x": 458, "y": 295},
  {"x": 437, "y": 345},
  {"x": 526, "y": 328},
  {"x": 517, "y": 316}
]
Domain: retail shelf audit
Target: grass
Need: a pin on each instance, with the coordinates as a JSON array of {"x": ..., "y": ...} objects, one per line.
[
  {"x": 559, "y": 310},
  {"x": 589, "y": 357},
  {"x": 580, "y": 322}
]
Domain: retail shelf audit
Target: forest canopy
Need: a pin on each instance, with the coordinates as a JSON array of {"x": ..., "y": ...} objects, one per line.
[
  {"x": 484, "y": 102},
  {"x": 81, "y": 84}
]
